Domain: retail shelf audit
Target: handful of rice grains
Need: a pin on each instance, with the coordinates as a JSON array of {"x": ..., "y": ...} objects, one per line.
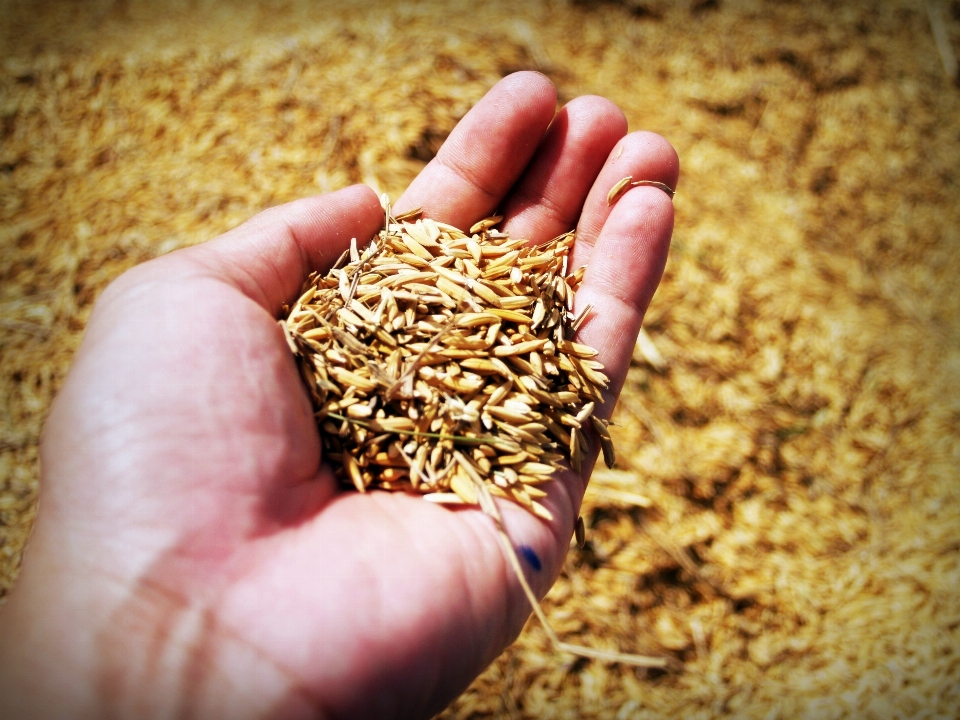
[
  {"x": 438, "y": 359},
  {"x": 440, "y": 362}
]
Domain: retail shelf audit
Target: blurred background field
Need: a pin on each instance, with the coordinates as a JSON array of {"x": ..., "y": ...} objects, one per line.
[{"x": 784, "y": 517}]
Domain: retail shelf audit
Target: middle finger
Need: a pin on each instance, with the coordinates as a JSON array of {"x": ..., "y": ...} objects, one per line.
[{"x": 549, "y": 196}]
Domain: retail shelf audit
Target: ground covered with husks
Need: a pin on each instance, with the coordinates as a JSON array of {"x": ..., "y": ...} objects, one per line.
[{"x": 784, "y": 516}]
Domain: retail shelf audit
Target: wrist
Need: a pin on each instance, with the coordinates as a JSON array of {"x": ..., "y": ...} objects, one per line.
[
  {"x": 42, "y": 642},
  {"x": 75, "y": 643}
]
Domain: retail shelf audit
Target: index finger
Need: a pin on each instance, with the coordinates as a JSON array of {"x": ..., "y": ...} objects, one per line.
[{"x": 486, "y": 152}]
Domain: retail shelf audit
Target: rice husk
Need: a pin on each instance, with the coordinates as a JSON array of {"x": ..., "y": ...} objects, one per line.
[{"x": 438, "y": 359}]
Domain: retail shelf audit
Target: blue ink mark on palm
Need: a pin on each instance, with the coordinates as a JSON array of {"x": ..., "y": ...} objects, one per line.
[{"x": 531, "y": 557}]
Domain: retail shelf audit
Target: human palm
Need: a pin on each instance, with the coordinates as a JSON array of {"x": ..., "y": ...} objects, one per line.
[{"x": 200, "y": 556}]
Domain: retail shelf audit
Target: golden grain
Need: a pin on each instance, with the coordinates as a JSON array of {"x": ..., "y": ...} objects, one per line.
[
  {"x": 421, "y": 364},
  {"x": 617, "y": 190}
]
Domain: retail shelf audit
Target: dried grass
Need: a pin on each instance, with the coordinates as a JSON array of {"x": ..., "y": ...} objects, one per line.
[{"x": 784, "y": 517}]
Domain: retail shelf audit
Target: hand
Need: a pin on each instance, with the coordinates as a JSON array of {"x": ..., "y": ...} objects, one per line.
[{"x": 194, "y": 557}]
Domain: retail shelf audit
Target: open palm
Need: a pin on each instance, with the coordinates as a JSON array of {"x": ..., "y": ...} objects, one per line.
[{"x": 201, "y": 558}]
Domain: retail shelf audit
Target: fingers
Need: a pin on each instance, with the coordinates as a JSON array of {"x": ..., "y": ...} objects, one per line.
[
  {"x": 270, "y": 255},
  {"x": 641, "y": 155},
  {"x": 626, "y": 263},
  {"x": 626, "y": 245},
  {"x": 548, "y": 198},
  {"x": 486, "y": 152},
  {"x": 625, "y": 267}
]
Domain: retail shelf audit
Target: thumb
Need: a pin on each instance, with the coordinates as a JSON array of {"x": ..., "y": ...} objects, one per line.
[{"x": 269, "y": 256}]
